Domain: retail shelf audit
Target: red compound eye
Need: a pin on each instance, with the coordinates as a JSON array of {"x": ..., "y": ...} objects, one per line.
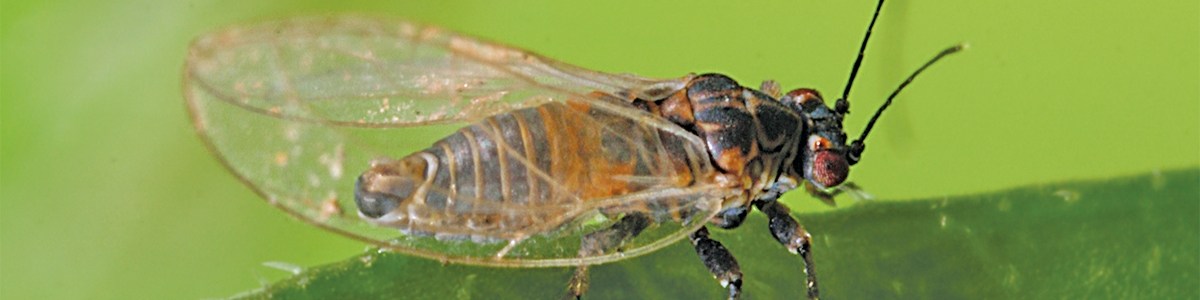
[{"x": 829, "y": 168}]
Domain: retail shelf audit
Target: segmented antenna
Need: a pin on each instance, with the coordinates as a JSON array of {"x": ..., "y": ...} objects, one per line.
[
  {"x": 842, "y": 106},
  {"x": 857, "y": 147}
]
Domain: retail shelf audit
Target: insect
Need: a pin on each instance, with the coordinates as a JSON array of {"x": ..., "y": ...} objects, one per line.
[{"x": 542, "y": 164}]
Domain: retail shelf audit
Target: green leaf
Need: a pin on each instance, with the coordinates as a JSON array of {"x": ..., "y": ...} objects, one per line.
[{"x": 1130, "y": 237}]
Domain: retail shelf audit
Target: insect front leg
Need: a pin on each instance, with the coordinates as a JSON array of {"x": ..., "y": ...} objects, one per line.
[
  {"x": 603, "y": 241},
  {"x": 793, "y": 236},
  {"x": 827, "y": 197},
  {"x": 719, "y": 261}
]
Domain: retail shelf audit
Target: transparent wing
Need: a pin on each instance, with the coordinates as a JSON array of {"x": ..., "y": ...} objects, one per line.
[
  {"x": 298, "y": 108},
  {"x": 385, "y": 73}
]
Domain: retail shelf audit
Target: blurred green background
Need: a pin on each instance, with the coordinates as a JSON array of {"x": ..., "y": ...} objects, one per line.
[{"x": 106, "y": 192}]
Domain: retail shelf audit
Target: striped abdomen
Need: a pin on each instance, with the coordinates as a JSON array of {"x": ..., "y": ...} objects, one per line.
[{"x": 525, "y": 172}]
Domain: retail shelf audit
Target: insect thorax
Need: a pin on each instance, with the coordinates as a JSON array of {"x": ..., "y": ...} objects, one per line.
[{"x": 749, "y": 135}]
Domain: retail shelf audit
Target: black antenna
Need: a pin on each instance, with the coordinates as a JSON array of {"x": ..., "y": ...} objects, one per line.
[
  {"x": 842, "y": 106},
  {"x": 857, "y": 147}
]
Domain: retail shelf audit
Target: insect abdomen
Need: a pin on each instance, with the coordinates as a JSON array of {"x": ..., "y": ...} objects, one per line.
[{"x": 522, "y": 172}]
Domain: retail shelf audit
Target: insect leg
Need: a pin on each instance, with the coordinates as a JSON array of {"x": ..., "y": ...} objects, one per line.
[
  {"x": 793, "y": 236},
  {"x": 603, "y": 241},
  {"x": 827, "y": 197},
  {"x": 719, "y": 261}
]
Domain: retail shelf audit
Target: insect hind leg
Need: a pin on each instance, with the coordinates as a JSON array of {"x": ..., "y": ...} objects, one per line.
[{"x": 602, "y": 241}]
